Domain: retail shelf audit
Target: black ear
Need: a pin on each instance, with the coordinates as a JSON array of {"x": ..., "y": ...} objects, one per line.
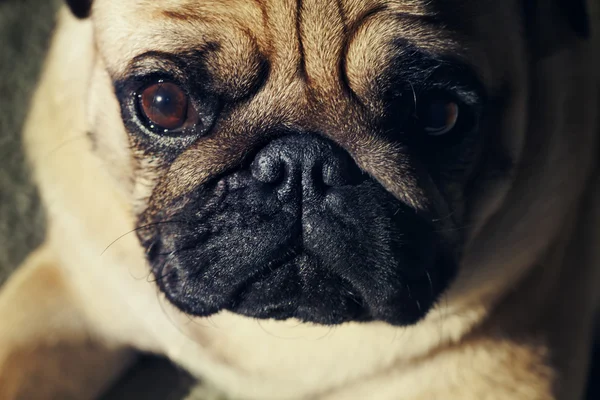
[
  {"x": 553, "y": 24},
  {"x": 80, "y": 8}
]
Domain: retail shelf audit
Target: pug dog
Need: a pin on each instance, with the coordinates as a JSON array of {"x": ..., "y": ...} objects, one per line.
[{"x": 307, "y": 199}]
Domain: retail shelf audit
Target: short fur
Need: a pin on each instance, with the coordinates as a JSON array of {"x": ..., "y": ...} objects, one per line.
[{"x": 517, "y": 202}]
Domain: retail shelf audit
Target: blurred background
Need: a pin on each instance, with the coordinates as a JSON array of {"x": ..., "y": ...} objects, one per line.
[{"x": 25, "y": 30}]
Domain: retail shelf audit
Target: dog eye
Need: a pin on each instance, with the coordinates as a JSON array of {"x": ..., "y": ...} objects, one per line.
[
  {"x": 166, "y": 107},
  {"x": 438, "y": 117}
]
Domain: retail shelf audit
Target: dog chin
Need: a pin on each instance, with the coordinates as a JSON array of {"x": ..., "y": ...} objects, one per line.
[{"x": 291, "y": 247}]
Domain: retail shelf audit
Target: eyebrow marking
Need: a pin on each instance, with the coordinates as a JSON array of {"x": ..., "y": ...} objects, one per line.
[{"x": 354, "y": 28}]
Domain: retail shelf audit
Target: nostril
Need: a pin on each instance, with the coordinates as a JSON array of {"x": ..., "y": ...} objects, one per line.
[
  {"x": 267, "y": 169},
  {"x": 341, "y": 172},
  {"x": 305, "y": 164}
]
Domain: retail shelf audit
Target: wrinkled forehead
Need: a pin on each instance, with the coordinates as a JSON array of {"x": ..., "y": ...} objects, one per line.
[
  {"x": 126, "y": 28},
  {"x": 314, "y": 32}
]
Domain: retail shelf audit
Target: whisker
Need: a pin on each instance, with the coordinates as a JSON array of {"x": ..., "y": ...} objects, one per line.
[
  {"x": 158, "y": 275},
  {"x": 65, "y": 143},
  {"x": 430, "y": 283},
  {"x": 137, "y": 229}
]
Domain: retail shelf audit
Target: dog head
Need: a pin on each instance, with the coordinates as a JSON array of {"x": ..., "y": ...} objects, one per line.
[{"x": 325, "y": 161}]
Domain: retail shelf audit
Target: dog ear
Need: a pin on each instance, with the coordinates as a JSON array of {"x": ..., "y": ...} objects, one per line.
[
  {"x": 554, "y": 24},
  {"x": 80, "y": 8}
]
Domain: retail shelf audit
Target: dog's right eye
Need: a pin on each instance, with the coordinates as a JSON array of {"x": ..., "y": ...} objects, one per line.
[
  {"x": 165, "y": 108},
  {"x": 439, "y": 117}
]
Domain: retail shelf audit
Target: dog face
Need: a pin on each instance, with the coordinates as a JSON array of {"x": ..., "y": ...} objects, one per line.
[{"x": 325, "y": 161}]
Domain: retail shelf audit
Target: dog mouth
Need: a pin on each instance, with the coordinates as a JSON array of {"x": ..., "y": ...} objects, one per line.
[{"x": 304, "y": 243}]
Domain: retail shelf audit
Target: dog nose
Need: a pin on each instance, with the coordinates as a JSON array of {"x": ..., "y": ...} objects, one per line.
[{"x": 305, "y": 163}]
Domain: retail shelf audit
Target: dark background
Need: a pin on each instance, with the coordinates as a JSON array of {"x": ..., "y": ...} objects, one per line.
[{"x": 25, "y": 29}]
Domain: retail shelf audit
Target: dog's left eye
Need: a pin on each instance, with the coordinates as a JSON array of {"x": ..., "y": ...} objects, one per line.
[
  {"x": 166, "y": 107},
  {"x": 438, "y": 116}
]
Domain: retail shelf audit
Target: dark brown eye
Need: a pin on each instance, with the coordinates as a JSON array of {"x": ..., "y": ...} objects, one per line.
[
  {"x": 439, "y": 117},
  {"x": 166, "y": 107}
]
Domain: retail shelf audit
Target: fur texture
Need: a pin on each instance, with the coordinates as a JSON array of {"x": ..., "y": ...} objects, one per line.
[{"x": 527, "y": 207}]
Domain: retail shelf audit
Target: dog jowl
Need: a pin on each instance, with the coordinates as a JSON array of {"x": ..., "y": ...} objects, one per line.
[{"x": 328, "y": 188}]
